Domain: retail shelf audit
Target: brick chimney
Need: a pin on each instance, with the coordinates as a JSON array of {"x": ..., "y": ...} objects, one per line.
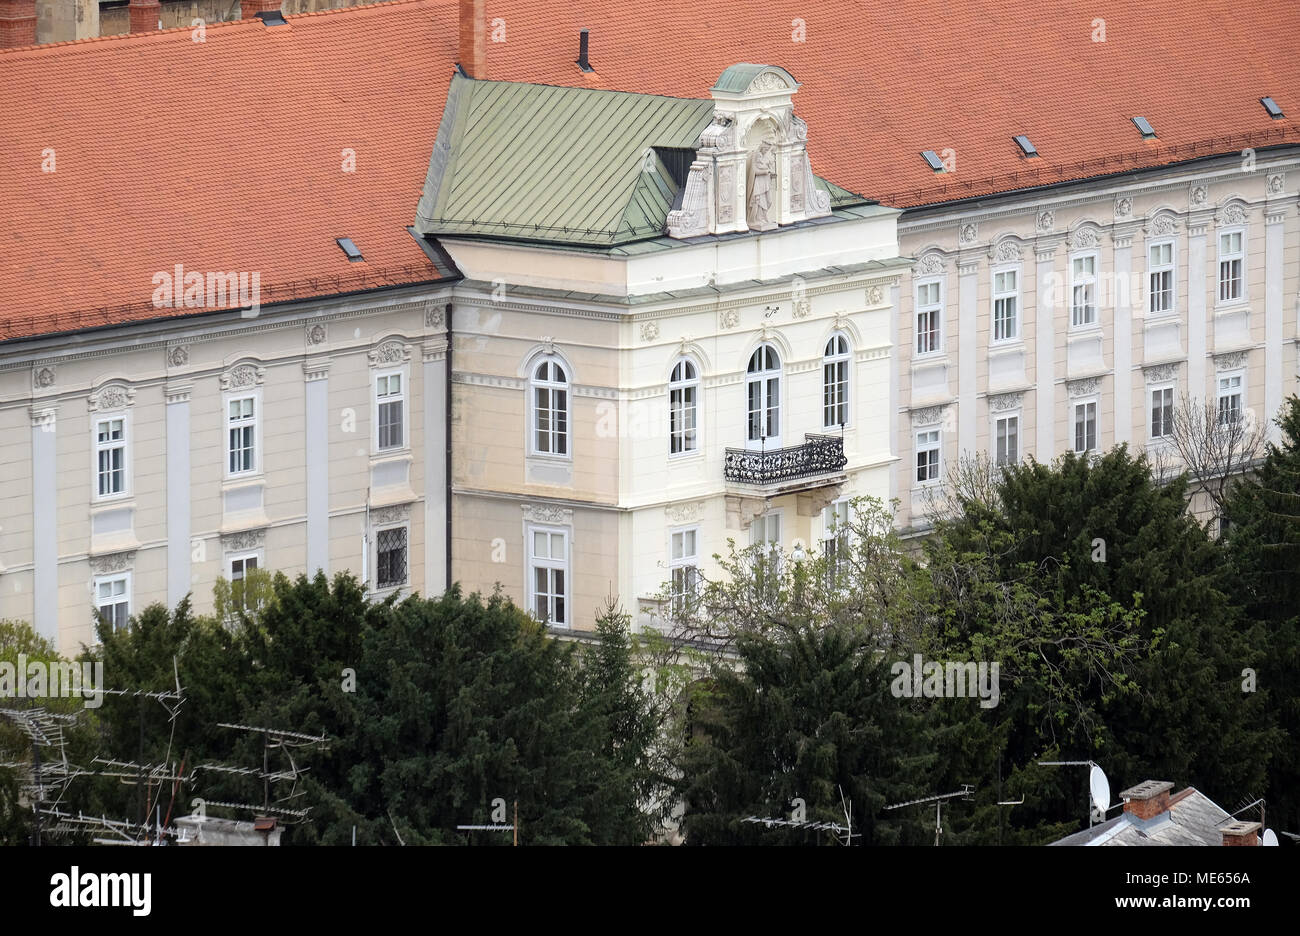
[
  {"x": 1148, "y": 799},
  {"x": 473, "y": 38},
  {"x": 17, "y": 23},
  {"x": 248, "y": 9},
  {"x": 1241, "y": 833},
  {"x": 144, "y": 15}
]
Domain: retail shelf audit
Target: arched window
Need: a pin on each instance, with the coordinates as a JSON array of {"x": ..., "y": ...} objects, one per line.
[
  {"x": 683, "y": 408},
  {"x": 763, "y": 383},
  {"x": 835, "y": 383},
  {"x": 550, "y": 408}
]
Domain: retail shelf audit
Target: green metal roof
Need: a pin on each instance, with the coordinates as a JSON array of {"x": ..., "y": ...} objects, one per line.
[
  {"x": 738, "y": 78},
  {"x": 574, "y": 166}
]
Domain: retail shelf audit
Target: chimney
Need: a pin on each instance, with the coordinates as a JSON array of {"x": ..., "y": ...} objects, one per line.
[
  {"x": 144, "y": 15},
  {"x": 583, "y": 61},
  {"x": 1148, "y": 799},
  {"x": 1241, "y": 833},
  {"x": 17, "y": 23},
  {"x": 248, "y": 9},
  {"x": 473, "y": 44}
]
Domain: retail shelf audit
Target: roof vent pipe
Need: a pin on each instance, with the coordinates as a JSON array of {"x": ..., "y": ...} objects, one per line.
[{"x": 583, "y": 62}]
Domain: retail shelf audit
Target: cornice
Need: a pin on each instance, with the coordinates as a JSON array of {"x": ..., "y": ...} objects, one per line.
[{"x": 1033, "y": 202}]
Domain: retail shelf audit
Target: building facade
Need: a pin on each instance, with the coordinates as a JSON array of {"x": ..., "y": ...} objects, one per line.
[
  {"x": 147, "y": 460},
  {"x": 1078, "y": 317},
  {"x": 622, "y": 409}
]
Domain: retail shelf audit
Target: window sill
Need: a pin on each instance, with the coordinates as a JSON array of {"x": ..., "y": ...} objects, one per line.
[
  {"x": 242, "y": 480},
  {"x": 676, "y": 457},
  {"x": 1006, "y": 346},
  {"x": 111, "y": 502},
  {"x": 1091, "y": 330}
]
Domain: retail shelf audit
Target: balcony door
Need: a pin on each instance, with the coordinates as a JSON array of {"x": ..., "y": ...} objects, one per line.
[{"x": 763, "y": 397}]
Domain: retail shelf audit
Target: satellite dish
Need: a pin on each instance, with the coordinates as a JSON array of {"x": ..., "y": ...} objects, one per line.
[
  {"x": 1100, "y": 788},
  {"x": 1270, "y": 837}
]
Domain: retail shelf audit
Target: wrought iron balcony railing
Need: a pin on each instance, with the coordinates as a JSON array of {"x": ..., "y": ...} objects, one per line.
[{"x": 819, "y": 454}]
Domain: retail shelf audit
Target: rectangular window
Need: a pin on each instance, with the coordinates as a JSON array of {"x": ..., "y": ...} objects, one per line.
[
  {"x": 240, "y": 566},
  {"x": 929, "y": 308},
  {"x": 835, "y": 540},
  {"x": 835, "y": 393},
  {"x": 1083, "y": 284},
  {"x": 681, "y": 414},
  {"x": 1006, "y": 430},
  {"x": 1006, "y": 296},
  {"x": 113, "y": 599},
  {"x": 1229, "y": 398},
  {"x": 927, "y": 456},
  {"x": 765, "y": 533},
  {"x": 548, "y": 570},
  {"x": 110, "y": 455},
  {"x": 1160, "y": 275},
  {"x": 242, "y": 426},
  {"x": 390, "y": 558},
  {"x": 1231, "y": 258},
  {"x": 684, "y": 560},
  {"x": 1162, "y": 412},
  {"x": 1085, "y": 426},
  {"x": 389, "y": 399}
]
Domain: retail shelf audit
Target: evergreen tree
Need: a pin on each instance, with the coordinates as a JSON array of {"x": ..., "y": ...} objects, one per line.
[{"x": 1262, "y": 549}]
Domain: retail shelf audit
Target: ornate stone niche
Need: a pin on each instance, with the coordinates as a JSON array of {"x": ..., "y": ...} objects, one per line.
[{"x": 751, "y": 171}]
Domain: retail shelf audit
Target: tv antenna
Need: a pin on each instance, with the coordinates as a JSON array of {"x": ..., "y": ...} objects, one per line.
[
  {"x": 844, "y": 834},
  {"x": 965, "y": 793},
  {"x": 496, "y": 828}
]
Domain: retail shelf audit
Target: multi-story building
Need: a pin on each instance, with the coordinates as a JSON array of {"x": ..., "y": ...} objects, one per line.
[
  {"x": 202, "y": 370},
  {"x": 1079, "y": 316},
  {"x": 670, "y": 334},
  {"x": 567, "y": 362}
]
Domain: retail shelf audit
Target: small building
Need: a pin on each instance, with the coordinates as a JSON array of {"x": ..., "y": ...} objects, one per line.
[
  {"x": 198, "y": 829},
  {"x": 1152, "y": 816}
]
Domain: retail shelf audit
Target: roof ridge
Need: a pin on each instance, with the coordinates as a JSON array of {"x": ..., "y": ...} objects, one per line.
[{"x": 87, "y": 41}]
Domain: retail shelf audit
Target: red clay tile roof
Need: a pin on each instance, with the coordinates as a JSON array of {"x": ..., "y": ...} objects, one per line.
[
  {"x": 884, "y": 80},
  {"x": 225, "y": 155}
]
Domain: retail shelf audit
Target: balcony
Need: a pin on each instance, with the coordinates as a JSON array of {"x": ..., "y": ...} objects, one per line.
[{"x": 819, "y": 455}]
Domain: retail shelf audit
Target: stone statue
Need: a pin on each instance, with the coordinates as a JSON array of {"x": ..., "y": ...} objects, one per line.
[{"x": 762, "y": 188}]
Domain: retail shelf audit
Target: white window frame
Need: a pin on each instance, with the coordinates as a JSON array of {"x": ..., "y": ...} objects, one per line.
[
  {"x": 1166, "y": 420},
  {"x": 126, "y": 597},
  {"x": 406, "y": 579},
  {"x": 923, "y": 443},
  {"x": 256, "y": 422},
  {"x": 403, "y": 374},
  {"x": 231, "y": 558},
  {"x": 1221, "y": 393},
  {"x": 934, "y": 309},
  {"x": 838, "y": 359},
  {"x": 564, "y": 565},
  {"x": 772, "y": 547},
  {"x": 552, "y": 386},
  {"x": 1075, "y": 406},
  {"x": 1004, "y": 295},
  {"x": 1221, "y": 258},
  {"x": 836, "y": 530},
  {"x": 1085, "y": 280},
  {"x": 1170, "y": 269},
  {"x": 686, "y": 386},
  {"x": 769, "y": 401},
  {"x": 1001, "y": 459},
  {"x": 96, "y": 447},
  {"x": 678, "y": 565}
]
